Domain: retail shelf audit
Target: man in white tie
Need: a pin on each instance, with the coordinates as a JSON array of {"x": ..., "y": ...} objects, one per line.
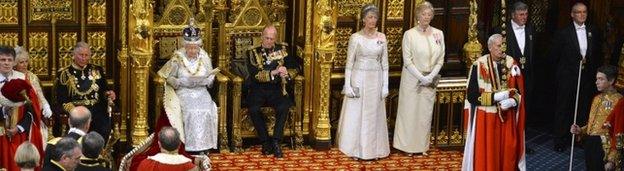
[
  {"x": 577, "y": 43},
  {"x": 519, "y": 37}
]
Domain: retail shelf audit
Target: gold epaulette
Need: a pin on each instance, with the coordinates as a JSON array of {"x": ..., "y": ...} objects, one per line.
[
  {"x": 63, "y": 69},
  {"x": 53, "y": 141},
  {"x": 63, "y": 76},
  {"x": 68, "y": 106}
]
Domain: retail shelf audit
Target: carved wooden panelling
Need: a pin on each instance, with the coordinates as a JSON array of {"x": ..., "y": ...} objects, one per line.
[
  {"x": 342, "y": 39},
  {"x": 41, "y": 10},
  {"x": 97, "y": 12},
  {"x": 9, "y": 39},
  {"x": 394, "y": 35},
  {"x": 395, "y": 10},
  {"x": 66, "y": 43},
  {"x": 8, "y": 12},
  {"x": 539, "y": 10},
  {"x": 38, "y": 50},
  {"x": 97, "y": 40},
  {"x": 351, "y": 8},
  {"x": 274, "y": 9}
]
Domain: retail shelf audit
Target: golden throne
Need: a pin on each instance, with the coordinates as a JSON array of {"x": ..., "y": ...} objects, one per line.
[
  {"x": 171, "y": 18},
  {"x": 235, "y": 38}
]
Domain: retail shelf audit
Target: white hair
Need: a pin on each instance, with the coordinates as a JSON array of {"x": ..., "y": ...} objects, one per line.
[
  {"x": 80, "y": 45},
  {"x": 493, "y": 38}
]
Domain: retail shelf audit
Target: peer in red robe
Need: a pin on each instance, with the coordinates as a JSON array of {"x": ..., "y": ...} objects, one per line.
[
  {"x": 615, "y": 124},
  {"x": 17, "y": 113},
  {"x": 165, "y": 161},
  {"x": 494, "y": 113},
  {"x": 153, "y": 147}
]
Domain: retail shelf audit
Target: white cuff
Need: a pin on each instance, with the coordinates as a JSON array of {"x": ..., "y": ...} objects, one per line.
[{"x": 20, "y": 128}]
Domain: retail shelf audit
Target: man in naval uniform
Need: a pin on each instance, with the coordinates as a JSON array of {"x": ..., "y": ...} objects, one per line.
[
  {"x": 271, "y": 70},
  {"x": 84, "y": 84}
]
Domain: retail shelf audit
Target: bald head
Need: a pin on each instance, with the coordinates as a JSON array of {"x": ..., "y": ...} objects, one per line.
[
  {"x": 80, "y": 117},
  {"x": 169, "y": 138},
  {"x": 269, "y": 33}
]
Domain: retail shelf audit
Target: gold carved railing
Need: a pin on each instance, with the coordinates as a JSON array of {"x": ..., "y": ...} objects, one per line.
[{"x": 447, "y": 124}]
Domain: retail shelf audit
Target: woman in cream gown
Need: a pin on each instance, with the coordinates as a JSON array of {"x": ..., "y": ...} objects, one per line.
[
  {"x": 21, "y": 65},
  {"x": 423, "y": 56},
  {"x": 362, "y": 129}
]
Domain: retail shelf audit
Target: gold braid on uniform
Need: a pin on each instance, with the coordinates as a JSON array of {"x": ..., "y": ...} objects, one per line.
[
  {"x": 262, "y": 75},
  {"x": 69, "y": 80}
]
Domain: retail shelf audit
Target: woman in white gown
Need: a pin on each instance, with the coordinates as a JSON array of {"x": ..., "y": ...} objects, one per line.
[
  {"x": 362, "y": 129},
  {"x": 188, "y": 104},
  {"x": 423, "y": 56}
]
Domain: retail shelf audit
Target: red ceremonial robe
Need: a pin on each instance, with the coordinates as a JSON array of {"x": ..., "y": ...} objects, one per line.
[
  {"x": 616, "y": 122},
  {"x": 495, "y": 137},
  {"x": 8, "y": 147},
  {"x": 166, "y": 162},
  {"x": 153, "y": 147}
]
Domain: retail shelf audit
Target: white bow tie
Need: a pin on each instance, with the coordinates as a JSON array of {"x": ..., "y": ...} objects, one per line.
[
  {"x": 519, "y": 28},
  {"x": 580, "y": 27}
]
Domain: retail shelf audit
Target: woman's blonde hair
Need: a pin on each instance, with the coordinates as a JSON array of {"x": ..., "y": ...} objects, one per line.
[
  {"x": 424, "y": 5},
  {"x": 27, "y": 155},
  {"x": 20, "y": 54}
]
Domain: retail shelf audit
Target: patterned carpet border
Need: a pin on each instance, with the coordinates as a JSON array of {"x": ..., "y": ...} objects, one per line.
[{"x": 309, "y": 159}]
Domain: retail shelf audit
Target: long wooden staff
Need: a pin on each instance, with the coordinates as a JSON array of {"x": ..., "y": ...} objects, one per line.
[{"x": 578, "y": 87}]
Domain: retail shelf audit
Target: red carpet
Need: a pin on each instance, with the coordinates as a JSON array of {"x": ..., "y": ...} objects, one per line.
[{"x": 308, "y": 159}]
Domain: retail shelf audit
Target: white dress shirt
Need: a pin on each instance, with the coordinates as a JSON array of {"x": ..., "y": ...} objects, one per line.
[
  {"x": 519, "y": 32},
  {"x": 581, "y": 35}
]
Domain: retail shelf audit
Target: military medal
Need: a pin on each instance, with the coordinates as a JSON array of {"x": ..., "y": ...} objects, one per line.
[
  {"x": 522, "y": 61},
  {"x": 83, "y": 76}
]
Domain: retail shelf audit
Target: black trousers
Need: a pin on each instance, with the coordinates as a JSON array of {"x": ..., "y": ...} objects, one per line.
[
  {"x": 594, "y": 153},
  {"x": 100, "y": 122},
  {"x": 260, "y": 97}
]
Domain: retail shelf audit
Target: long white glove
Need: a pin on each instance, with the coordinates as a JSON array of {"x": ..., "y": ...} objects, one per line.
[
  {"x": 347, "y": 90},
  {"x": 173, "y": 82},
  {"x": 204, "y": 81},
  {"x": 508, "y": 103},
  {"x": 47, "y": 112},
  {"x": 384, "y": 88},
  {"x": 423, "y": 81},
  {"x": 427, "y": 80},
  {"x": 185, "y": 82},
  {"x": 501, "y": 95}
]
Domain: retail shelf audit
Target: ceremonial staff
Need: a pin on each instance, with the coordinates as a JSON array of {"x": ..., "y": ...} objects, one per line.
[{"x": 578, "y": 86}]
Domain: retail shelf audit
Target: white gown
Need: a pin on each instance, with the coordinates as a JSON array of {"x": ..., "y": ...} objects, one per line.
[
  {"x": 197, "y": 120},
  {"x": 413, "y": 123},
  {"x": 362, "y": 129}
]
